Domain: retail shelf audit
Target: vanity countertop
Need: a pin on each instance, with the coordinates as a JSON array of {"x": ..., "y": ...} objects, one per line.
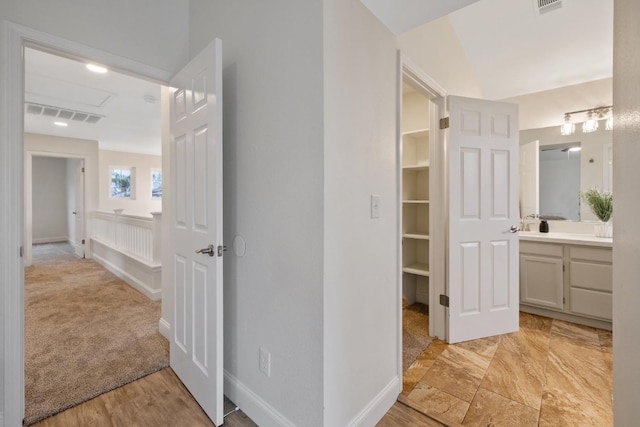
[{"x": 571, "y": 238}]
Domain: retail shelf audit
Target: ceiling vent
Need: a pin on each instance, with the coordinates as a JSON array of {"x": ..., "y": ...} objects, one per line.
[
  {"x": 62, "y": 113},
  {"x": 544, "y": 6}
]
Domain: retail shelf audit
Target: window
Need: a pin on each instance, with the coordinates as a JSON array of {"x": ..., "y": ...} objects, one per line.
[
  {"x": 122, "y": 180},
  {"x": 156, "y": 184}
]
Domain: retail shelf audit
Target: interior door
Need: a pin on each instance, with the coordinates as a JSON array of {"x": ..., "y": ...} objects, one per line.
[
  {"x": 529, "y": 179},
  {"x": 196, "y": 225},
  {"x": 79, "y": 209},
  {"x": 483, "y": 206}
]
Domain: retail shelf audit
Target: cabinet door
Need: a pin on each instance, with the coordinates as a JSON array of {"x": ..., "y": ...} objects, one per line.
[{"x": 541, "y": 281}]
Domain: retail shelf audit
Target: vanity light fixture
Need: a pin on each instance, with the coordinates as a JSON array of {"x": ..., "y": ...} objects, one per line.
[
  {"x": 591, "y": 124},
  {"x": 575, "y": 148},
  {"x": 568, "y": 127},
  {"x": 96, "y": 68},
  {"x": 61, "y": 124}
]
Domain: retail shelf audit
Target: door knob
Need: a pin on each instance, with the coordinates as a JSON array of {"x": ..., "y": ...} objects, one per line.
[
  {"x": 514, "y": 229},
  {"x": 210, "y": 250},
  {"x": 75, "y": 213}
]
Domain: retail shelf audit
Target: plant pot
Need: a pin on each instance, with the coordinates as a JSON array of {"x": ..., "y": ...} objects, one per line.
[{"x": 603, "y": 229}]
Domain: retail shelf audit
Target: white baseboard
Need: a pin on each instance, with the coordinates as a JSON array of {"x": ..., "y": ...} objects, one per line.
[
  {"x": 152, "y": 294},
  {"x": 165, "y": 328},
  {"x": 253, "y": 405},
  {"x": 41, "y": 240},
  {"x": 380, "y": 405}
]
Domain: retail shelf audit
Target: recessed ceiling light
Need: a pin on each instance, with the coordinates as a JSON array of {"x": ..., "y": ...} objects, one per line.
[
  {"x": 63, "y": 124},
  {"x": 96, "y": 68}
]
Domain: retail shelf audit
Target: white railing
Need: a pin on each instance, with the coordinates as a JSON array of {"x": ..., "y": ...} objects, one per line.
[{"x": 135, "y": 236}]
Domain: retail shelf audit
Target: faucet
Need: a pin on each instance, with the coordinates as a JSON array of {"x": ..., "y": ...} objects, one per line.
[{"x": 526, "y": 225}]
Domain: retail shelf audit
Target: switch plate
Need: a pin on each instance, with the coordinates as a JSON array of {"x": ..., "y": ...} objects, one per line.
[
  {"x": 375, "y": 206},
  {"x": 264, "y": 362}
]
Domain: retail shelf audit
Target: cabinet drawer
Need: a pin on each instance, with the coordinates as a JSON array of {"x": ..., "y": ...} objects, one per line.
[
  {"x": 592, "y": 303},
  {"x": 591, "y": 276},
  {"x": 546, "y": 249},
  {"x": 591, "y": 254}
]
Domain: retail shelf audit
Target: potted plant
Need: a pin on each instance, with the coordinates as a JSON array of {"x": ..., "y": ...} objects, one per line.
[{"x": 601, "y": 204}]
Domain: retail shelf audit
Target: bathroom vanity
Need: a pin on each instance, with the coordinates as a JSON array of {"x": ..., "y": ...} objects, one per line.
[{"x": 567, "y": 276}]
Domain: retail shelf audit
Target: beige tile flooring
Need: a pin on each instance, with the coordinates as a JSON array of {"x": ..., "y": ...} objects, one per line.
[{"x": 550, "y": 373}]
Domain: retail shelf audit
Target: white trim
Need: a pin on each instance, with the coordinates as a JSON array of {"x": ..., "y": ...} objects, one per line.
[
  {"x": 399, "y": 175},
  {"x": 253, "y": 405},
  {"x": 13, "y": 39},
  {"x": 437, "y": 213},
  {"x": 120, "y": 271},
  {"x": 380, "y": 405},
  {"x": 165, "y": 328}
]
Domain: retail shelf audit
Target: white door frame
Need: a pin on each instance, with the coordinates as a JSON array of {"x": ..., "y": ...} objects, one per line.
[
  {"x": 27, "y": 253},
  {"x": 13, "y": 39},
  {"x": 408, "y": 70}
]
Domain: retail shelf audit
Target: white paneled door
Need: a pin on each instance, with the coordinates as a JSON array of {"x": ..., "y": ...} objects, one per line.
[
  {"x": 483, "y": 207},
  {"x": 196, "y": 225}
]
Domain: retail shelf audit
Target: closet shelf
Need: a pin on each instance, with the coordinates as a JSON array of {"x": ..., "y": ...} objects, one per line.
[
  {"x": 418, "y": 236},
  {"x": 416, "y": 202},
  {"x": 416, "y": 167},
  {"x": 418, "y": 269},
  {"x": 418, "y": 133}
]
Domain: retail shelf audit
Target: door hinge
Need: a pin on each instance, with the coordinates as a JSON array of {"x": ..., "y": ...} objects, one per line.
[
  {"x": 21, "y": 251},
  {"x": 444, "y": 123},
  {"x": 444, "y": 300},
  {"x": 563, "y": 300},
  {"x": 83, "y": 241},
  {"x": 221, "y": 249},
  {"x": 82, "y": 170},
  {"x": 563, "y": 268}
]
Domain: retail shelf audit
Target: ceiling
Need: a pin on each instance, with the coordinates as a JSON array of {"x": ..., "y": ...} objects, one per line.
[
  {"x": 128, "y": 108},
  {"x": 512, "y": 48}
]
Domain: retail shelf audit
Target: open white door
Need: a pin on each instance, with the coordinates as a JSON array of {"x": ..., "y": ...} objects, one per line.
[
  {"x": 79, "y": 210},
  {"x": 196, "y": 223},
  {"x": 483, "y": 207},
  {"x": 529, "y": 178}
]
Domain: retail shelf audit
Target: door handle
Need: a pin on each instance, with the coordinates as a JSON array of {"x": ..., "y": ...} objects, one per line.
[
  {"x": 209, "y": 250},
  {"x": 514, "y": 229},
  {"x": 75, "y": 213}
]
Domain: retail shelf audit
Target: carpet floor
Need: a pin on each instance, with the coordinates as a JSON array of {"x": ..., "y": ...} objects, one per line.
[
  {"x": 415, "y": 332},
  {"x": 86, "y": 332}
]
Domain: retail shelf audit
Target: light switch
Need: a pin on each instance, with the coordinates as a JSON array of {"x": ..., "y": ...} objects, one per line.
[{"x": 375, "y": 206}]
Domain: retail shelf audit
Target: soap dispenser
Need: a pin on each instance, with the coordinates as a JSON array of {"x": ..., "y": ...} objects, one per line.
[{"x": 544, "y": 226}]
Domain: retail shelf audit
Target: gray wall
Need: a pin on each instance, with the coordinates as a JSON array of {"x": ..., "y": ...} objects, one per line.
[{"x": 50, "y": 200}]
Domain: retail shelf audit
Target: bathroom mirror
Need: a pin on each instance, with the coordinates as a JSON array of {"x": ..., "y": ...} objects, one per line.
[{"x": 551, "y": 176}]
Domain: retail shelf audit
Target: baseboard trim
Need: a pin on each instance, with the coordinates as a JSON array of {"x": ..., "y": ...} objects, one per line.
[
  {"x": 380, "y": 405},
  {"x": 567, "y": 317},
  {"x": 165, "y": 329},
  {"x": 253, "y": 405},
  {"x": 42, "y": 240},
  {"x": 152, "y": 294}
]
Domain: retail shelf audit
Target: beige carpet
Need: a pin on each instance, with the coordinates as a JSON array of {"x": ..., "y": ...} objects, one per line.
[
  {"x": 415, "y": 332},
  {"x": 86, "y": 332}
]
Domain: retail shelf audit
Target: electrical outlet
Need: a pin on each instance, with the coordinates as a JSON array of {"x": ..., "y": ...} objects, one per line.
[{"x": 264, "y": 362}]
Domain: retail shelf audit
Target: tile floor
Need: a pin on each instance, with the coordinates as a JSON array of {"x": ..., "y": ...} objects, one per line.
[{"x": 550, "y": 373}]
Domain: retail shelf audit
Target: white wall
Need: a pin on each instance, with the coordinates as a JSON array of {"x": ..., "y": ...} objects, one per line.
[
  {"x": 72, "y": 166},
  {"x": 436, "y": 49},
  {"x": 142, "y": 204},
  {"x": 361, "y": 299},
  {"x": 591, "y": 174},
  {"x": 49, "y": 200},
  {"x": 273, "y": 183},
  {"x": 152, "y": 32},
  {"x": 626, "y": 243},
  {"x": 547, "y": 108}
]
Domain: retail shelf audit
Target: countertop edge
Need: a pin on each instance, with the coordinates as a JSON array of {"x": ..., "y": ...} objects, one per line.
[{"x": 568, "y": 238}]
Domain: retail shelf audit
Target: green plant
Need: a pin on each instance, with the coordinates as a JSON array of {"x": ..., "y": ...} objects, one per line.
[{"x": 600, "y": 202}]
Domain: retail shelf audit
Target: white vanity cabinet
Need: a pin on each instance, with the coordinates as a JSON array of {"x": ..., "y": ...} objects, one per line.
[
  {"x": 541, "y": 274},
  {"x": 567, "y": 277}
]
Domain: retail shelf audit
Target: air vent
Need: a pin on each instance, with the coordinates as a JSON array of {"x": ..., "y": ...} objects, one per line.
[
  {"x": 66, "y": 114},
  {"x": 544, "y": 6}
]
